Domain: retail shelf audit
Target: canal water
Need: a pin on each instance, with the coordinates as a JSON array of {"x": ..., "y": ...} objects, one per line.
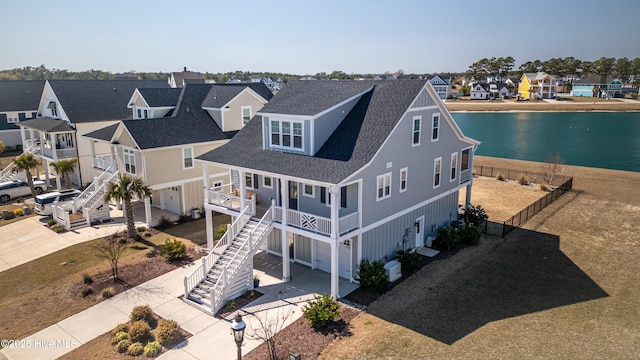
[{"x": 609, "y": 140}]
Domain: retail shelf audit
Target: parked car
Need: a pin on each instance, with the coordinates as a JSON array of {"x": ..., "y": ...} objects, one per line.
[
  {"x": 16, "y": 188},
  {"x": 63, "y": 198}
]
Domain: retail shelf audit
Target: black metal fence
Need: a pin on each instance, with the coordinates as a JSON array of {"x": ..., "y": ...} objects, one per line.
[
  {"x": 511, "y": 174},
  {"x": 525, "y": 214}
]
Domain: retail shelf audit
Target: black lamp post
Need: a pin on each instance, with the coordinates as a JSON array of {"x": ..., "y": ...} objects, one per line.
[{"x": 238, "y": 326}]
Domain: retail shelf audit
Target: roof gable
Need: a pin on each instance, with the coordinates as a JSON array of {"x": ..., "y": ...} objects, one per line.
[{"x": 154, "y": 97}]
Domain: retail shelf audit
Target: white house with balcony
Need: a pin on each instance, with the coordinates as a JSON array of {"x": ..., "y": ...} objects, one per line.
[{"x": 327, "y": 174}]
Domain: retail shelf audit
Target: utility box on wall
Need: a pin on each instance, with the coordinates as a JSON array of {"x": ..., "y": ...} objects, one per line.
[{"x": 393, "y": 269}]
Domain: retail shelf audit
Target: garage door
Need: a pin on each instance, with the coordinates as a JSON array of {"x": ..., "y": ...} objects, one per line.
[
  {"x": 323, "y": 256},
  {"x": 171, "y": 199}
]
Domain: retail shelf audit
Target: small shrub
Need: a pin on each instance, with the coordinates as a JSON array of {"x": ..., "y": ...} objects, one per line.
[
  {"x": 135, "y": 349},
  {"x": 51, "y": 222},
  {"x": 146, "y": 234},
  {"x": 119, "y": 336},
  {"x": 168, "y": 333},
  {"x": 107, "y": 293},
  {"x": 18, "y": 212},
  {"x": 173, "y": 250},
  {"x": 409, "y": 259},
  {"x": 123, "y": 346},
  {"x": 141, "y": 228},
  {"x": 86, "y": 291},
  {"x": 321, "y": 311},
  {"x": 142, "y": 313},
  {"x": 446, "y": 238},
  {"x": 500, "y": 177},
  {"x": 230, "y": 305},
  {"x": 372, "y": 275},
  {"x": 184, "y": 219},
  {"x": 164, "y": 223},
  {"x": 152, "y": 349},
  {"x": 139, "y": 331},
  {"x": 523, "y": 180},
  {"x": 120, "y": 328},
  {"x": 470, "y": 235},
  {"x": 20, "y": 200},
  {"x": 544, "y": 187},
  {"x": 86, "y": 278},
  {"x": 475, "y": 215},
  {"x": 221, "y": 230},
  {"x": 58, "y": 228}
]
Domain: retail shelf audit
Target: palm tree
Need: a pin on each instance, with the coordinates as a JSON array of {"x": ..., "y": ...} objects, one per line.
[
  {"x": 126, "y": 189},
  {"x": 27, "y": 162},
  {"x": 65, "y": 168}
]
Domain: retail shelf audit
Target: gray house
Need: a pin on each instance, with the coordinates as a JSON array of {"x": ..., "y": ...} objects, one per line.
[
  {"x": 19, "y": 101},
  {"x": 329, "y": 173}
]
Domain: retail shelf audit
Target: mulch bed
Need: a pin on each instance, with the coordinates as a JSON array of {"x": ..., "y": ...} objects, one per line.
[{"x": 302, "y": 338}]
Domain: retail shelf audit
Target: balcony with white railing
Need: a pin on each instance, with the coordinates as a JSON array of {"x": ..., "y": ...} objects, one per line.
[
  {"x": 316, "y": 224},
  {"x": 226, "y": 197},
  {"x": 102, "y": 163},
  {"x": 60, "y": 152}
]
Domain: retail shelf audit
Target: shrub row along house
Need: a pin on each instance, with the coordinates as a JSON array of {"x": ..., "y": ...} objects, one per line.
[{"x": 329, "y": 173}]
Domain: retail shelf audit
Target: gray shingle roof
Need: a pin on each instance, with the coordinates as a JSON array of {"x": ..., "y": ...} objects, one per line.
[
  {"x": 98, "y": 100},
  {"x": 221, "y": 94},
  {"x": 160, "y": 97},
  {"x": 105, "y": 133},
  {"x": 351, "y": 146},
  {"x": 302, "y": 97},
  {"x": 47, "y": 125},
  {"x": 187, "y": 77},
  {"x": 595, "y": 80},
  {"x": 190, "y": 124},
  {"x": 20, "y": 95}
]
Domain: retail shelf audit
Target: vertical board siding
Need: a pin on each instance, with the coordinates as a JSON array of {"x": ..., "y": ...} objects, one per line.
[
  {"x": 302, "y": 248},
  {"x": 382, "y": 242},
  {"x": 423, "y": 100},
  {"x": 274, "y": 242},
  {"x": 194, "y": 196}
]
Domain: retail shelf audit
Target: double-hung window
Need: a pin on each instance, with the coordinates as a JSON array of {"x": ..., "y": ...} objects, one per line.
[
  {"x": 129, "y": 161},
  {"x": 435, "y": 127},
  {"x": 267, "y": 182},
  {"x": 403, "y": 179},
  {"x": 464, "y": 164},
  {"x": 246, "y": 114},
  {"x": 454, "y": 165},
  {"x": 286, "y": 134},
  {"x": 308, "y": 190},
  {"x": 417, "y": 123},
  {"x": 437, "y": 168},
  {"x": 187, "y": 158},
  {"x": 384, "y": 186}
]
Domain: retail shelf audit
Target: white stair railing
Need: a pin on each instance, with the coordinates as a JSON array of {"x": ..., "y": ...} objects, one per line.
[
  {"x": 91, "y": 196},
  {"x": 8, "y": 173}
]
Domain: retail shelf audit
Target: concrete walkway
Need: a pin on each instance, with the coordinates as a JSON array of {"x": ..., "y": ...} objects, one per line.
[{"x": 211, "y": 338}]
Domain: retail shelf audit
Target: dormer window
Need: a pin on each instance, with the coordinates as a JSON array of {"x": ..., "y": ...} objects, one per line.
[
  {"x": 54, "y": 108},
  {"x": 286, "y": 134},
  {"x": 142, "y": 113}
]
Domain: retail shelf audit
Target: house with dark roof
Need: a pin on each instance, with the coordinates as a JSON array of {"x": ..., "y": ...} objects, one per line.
[
  {"x": 597, "y": 86},
  {"x": 167, "y": 128},
  {"x": 442, "y": 85},
  {"x": 330, "y": 173},
  {"x": 180, "y": 79},
  {"x": 18, "y": 102},
  {"x": 480, "y": 91},
  {"x": 69, "y": 108}
]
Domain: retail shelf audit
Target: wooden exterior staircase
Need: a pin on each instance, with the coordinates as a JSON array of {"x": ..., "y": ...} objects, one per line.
[
  {"x": 227, "y": 271},
  {"x": 9, "y": 172}
]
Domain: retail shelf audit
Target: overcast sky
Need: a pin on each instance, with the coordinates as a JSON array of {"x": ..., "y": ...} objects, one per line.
[{"x": 307, "y": 37}]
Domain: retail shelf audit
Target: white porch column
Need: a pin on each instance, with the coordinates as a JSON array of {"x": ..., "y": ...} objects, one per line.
[
  {"x": 45, "y": 163},
  {"x": 286, "y": 266},
  {"x": 335, "y": 275},
  {"x": 24, "y": 138},
  {"x": 205, "y": 182},
  {"x": 209, "y": 225},
  {"x": 243, "y": 188},
  {"x": 93, "y": 152},
  {"x": 147, "y": 211},
  {"x": 112, "y": 150},
  {"x": 467, "y": 200}
]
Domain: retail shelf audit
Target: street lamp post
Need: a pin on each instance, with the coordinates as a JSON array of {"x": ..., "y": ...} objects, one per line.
[{"x": 238, "y": 326}]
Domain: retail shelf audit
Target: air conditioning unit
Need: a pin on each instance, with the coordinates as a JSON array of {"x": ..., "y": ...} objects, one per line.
[{"x": 393, "y": 270}]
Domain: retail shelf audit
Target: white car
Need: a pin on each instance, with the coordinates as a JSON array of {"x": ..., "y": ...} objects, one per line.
[
  {"x": 16, "y": 188},
  {"x": 62, "y": 198}
]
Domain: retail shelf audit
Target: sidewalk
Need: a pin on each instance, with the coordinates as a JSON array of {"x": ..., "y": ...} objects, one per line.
[{"x": 211, "y": 336}]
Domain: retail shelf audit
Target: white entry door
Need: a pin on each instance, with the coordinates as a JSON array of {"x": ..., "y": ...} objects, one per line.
[
  {"x": 171, "y": 199},
  {"x": 344, "y": 254},
  {"x": 323, "y": 256},
  {"x": 420, "y": 232}
]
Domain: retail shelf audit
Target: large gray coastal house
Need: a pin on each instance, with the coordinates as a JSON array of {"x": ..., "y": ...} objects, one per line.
[{"x": 332, "y": 172}]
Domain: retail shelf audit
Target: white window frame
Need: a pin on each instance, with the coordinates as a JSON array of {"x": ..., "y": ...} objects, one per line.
[
  {"x": 248, "y": 180},
  {"x": 453, "y": 173},
  {"x": 242, "y": 109},
  {"x": 281, "y": 134},
  {"x": 415, "y": 132},
  {"x": 403, "y": 182},
  {"x": 312, "y": 194},
  {"x": 434, "y": 128},
  {"x": 217, "y": 185},
  {"x": 129, "y": 156},
  {"x": 142, "y": 112},
  {"x": 468, "y": 159},
  {"x": 264, "y": 182},
  {"x": 437, "y": 172},
  {"x": 184, "y": 158},
  {"x": 386, "y": 186}
]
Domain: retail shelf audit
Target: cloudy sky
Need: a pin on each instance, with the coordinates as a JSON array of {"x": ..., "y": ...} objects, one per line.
[{"x": 307, "y": 37}]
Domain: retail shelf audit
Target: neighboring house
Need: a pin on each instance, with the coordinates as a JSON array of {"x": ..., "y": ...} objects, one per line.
[
  {"x": 329, "y": 173},
  {"x": 18, "y": 102},
  {"x": 480, "y": 91},
  {"x": 538, "y": 85},
  {"x": 273, "y": 85},
  {"x": 499, "y": 91},
  {"x": 170, "y": 127},
  {"x": 441, "y": 85},
  {"x": 68, "y": 108},
  {"x": 597, "y": 86},
  {"x": 180, "y": 79}
]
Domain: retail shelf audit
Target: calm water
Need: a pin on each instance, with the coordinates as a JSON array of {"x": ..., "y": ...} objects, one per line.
[{"x": 594, "y": 139}]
